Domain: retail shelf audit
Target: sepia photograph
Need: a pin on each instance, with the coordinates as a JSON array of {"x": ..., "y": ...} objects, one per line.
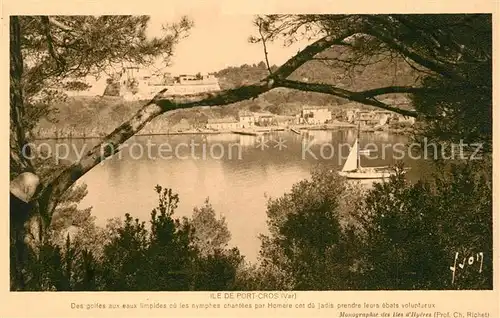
[{"x": 211, "y": 151}]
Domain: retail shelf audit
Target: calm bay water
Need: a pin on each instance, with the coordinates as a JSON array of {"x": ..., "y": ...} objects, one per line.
[{"x": 231, "y": 170}]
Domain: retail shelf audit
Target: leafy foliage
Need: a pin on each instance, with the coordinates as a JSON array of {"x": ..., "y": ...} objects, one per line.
[
  {"x": 396, "y": 236},
  {"x": 49, "y": 54},
  {"x": 311, "y": 244},
  {"x": 323, "y": 235},
  {"x": 130, "y": 256},
  {"x": 449, "y": 57},
  {"x": 235, "y": 76},
  {"x": 414, "y": 231},
  {"x": 210, "y": 233},
  {"x": 456, "y": 113},
  {"x": 75, "y": 46}
]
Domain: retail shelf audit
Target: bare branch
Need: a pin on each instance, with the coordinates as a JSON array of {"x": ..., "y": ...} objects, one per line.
[
  {"x": 50, "y": 41},
  {"x": 391, "y": 90},
  {"x": 395, "y": 44},
  {"x": 60, "y": 25},
  {"x": 408, "y": 61},
  {"x": 263, "y": 39},
  {"x": 366, "y": 97},
  {"x": 57, "y": 185},
  {"x": 158, "y": 105},
  {"x": 438, "y": 39}
]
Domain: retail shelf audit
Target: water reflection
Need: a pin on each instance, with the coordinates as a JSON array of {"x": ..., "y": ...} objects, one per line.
[
  {"x": 213, "y": 138},
  {"x": 318, "y": 137},
  {"x": 236, "y": 187},
  {"x": 247, "y": 141},
  {"x": 349, "y": 135}
]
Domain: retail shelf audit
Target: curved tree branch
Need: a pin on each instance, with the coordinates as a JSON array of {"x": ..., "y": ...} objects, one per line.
[
  {"x": 48, "y": 35},
  {"x": 391, "y": 90},
  {"x": 60, "y": 25},
  {"x": 366, "y": 97},
  {"x": 373, "y": 30},
  {"x": 111, "y": 143},
  {"x": 57, "y": 185}
]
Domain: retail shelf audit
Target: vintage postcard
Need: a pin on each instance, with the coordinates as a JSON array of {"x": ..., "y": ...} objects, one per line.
[{"x": 212, "y": 158}]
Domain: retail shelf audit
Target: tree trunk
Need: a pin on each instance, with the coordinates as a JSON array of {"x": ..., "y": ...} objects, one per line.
[
  {"x": 55, "y": 185},
  {"x": 18, "y": 162}
]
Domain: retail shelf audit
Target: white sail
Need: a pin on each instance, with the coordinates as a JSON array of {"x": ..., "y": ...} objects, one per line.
[{"x": 352, "y": 160}]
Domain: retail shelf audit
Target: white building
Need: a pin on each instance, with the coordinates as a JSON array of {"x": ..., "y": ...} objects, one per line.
[
  {"x": 316, "y": 115},
  {"x": 246, "y": 119},
  {"x": 140, "y": 83},
  {"x": 223, "y": 123}
]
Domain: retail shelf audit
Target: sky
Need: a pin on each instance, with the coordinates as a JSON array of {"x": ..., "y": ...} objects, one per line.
[{"x": 218, "y": 40}]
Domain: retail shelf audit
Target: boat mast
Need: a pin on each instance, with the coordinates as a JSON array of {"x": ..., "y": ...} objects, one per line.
[{"x": 358, "y": 159}]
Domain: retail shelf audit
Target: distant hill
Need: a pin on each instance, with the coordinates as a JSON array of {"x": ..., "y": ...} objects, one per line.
[
  {"x": 106, "y": 113},
  {"x": 236, "y": 76},
  {"x": 285, "y": 101}
]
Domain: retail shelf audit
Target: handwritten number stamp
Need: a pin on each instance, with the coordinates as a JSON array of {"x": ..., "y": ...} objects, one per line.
[{"x": 470, "y": 261}]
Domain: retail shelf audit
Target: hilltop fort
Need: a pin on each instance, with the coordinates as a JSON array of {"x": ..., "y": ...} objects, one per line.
[{"x": 134, "y": 83}]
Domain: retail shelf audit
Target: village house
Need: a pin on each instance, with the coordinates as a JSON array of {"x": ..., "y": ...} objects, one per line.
[
  {"x": 198, "y": 79},
  {"x": 264, "y": 118},
  {"x": 316, "y": 115},
  {"x": 350, "y": 115},
  {"x": 247, "y": 119},
  {"x": 134, "y": 83},
  {"x": 285, "y": 121},
  {"x": 376, "y": 118},
  {"x": 223, "y": 123}
]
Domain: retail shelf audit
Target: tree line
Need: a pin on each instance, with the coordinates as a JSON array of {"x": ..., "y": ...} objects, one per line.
[
  {"x": 324, "y": 234},
  {"x": 451, "y": 96}
]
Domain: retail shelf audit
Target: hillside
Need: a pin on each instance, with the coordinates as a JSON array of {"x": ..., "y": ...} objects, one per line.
[{"x": 103, "y": 114}]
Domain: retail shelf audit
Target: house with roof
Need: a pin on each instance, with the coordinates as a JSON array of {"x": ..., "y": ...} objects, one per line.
[
  {"x": 247, "y": 119},
  {"x": 225, "y": 123},
  {"x": 264, "y": 118},
  {"x": 376, "y": 117},
  {"x": 316, "y": 115}
]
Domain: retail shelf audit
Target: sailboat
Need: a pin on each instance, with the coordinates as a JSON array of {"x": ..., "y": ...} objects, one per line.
[{"x": 352, "y": 168}]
